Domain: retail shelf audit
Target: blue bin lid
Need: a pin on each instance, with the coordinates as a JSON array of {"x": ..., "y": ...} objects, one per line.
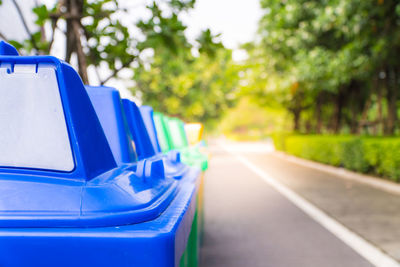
[
  {"x": 64, "y": 121},
  {"x": 57, "y": 168},
  {"x": 144, "y": 146},
  {"x": 7, "y": 49},
  {"x": 172, "y": 159},
  {"x": 147, "y": 115},
  {"x": 108, "y": 106}
]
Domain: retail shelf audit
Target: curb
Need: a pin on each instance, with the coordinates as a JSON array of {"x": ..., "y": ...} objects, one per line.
[{"x": 373, "y": 181}]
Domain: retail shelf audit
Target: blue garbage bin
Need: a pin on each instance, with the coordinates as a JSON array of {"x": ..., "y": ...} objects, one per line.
[{"x": 73, "y": 190}]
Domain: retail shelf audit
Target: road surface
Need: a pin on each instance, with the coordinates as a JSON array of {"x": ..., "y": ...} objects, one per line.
[{"x": 249, "y": 223}]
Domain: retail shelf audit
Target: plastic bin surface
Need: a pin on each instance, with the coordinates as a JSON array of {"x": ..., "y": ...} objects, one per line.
[
  {"x": 172, "y": 161},
  {"x": 147, "y": 115},
  {"x": 178, "y": 135},
  {"x": 194, "y": 133},
  {"x": 108, "y": 106},
  {"x": 149, "y": 118},
  {"x": 175, "y": 132},
  {"x": 143, "y": 143},
  {"x": 163, "y": 134},
  {"x": 95, "y": 205}
]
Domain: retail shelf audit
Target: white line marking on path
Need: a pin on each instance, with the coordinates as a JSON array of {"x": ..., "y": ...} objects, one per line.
[{"x": 367, "y": 250}]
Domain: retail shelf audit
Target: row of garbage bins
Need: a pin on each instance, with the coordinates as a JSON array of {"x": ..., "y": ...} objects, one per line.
[{"x": 90, "y": 179}]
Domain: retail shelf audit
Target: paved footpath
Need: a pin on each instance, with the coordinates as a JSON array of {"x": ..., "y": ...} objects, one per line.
[{"x": 249, "y": 223}]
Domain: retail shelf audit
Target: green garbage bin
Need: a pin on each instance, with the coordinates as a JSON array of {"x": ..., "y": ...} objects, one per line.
[
  {"x": 190, "y": 155},
  {"x": 172, "y": 136}
]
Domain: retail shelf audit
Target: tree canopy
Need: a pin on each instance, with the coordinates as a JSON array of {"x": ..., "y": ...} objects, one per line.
[
  {"x": 192, "y": 80},
  {"x": 172, "y": 79},
  {"x": 331, "y": 63}
]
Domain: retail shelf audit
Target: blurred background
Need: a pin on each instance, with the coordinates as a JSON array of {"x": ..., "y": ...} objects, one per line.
[
  {"x": 317, "y": 79},
  {"x": 251, "y": 68},
  {"x": 184, "y": 58}
]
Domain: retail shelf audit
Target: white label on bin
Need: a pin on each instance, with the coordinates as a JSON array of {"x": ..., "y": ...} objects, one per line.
[{"x": 33, "y": 130}]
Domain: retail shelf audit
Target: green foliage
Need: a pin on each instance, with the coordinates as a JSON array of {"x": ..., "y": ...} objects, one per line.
[
  {"x": 167, "y": 74},
  {"x": 328, "y": 63},
  {"x": 378, "y": 156},
  {"x": 102, "y": 35},
  {"x": 279, "y": 138},
  {"x": 163, "y": 32},
  {"x": 207, "y": 43},
  {"x": 108, "y": 39},
  {"x": 179, "y": 5},
  {"x": 199, "y": 89},
  {"x": 249, "y": 121},
  {"x": 353, "y": 155},
  {"x": 385, "y": 155},
  {"x": 173, "y": 80},
  {"x": 42, "y": 14},
  {"x": 104, "y": 38},
  {"x": 325, "y": 149}
]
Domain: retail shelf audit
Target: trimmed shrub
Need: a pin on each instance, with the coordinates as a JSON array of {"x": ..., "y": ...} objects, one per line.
[
  {"x": 325, "y": 149},
  {"x": 375, "y": 155},
  {"x": 352, "y": 155},
  {"x": 279, "y": 140}
]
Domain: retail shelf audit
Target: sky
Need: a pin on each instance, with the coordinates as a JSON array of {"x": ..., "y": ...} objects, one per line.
[{"x": 235, "y": 20}]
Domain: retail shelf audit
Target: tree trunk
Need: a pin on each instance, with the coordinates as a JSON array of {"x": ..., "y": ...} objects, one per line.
[
  {"x": 380, "y": 124},
  {"x": 318, "y": 111},
  {"x": 337, "y": 120},
  {"x": 354, "y": 129},
  {"x": 296, "y": 119},
  {"x": 391, "y": 97},
  {"x": 363, "y": 120},
  {"x": 354, "y": 124},
  {"x": 70, "y": 42},
  {"x": 308, "y": 127},
  {"x": 74, "y": 43}
]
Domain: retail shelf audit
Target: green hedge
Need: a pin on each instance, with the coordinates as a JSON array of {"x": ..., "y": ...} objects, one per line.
[{"x": 373, "y": 155}]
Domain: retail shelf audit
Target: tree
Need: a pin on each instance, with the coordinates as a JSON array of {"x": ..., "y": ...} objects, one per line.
[
  {"x": 86, "y": 24},
  {"x": 174, "y": 81},
  {"x": 336, "y": 57},
  {"x": 93, "y": 32},
  {"x": 166, "y": 73}
]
